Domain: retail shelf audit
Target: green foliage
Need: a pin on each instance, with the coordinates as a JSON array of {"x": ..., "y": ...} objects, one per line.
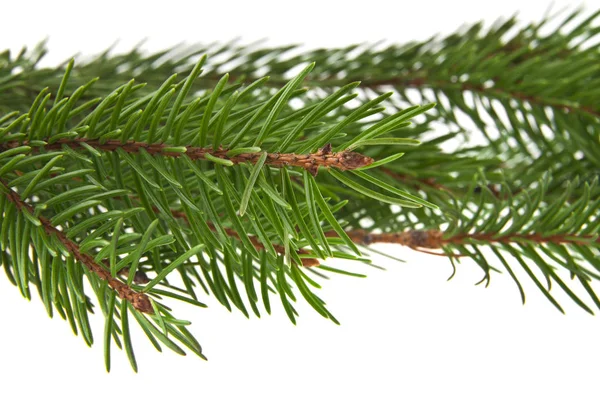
[{"x": 235, "y": 184}]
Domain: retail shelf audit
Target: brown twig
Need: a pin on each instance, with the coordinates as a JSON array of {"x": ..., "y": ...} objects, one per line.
[
  {"x": 464, "y": 238},
  {"x": 324, "y": 157},
  {"x": 415, "y": 239},
  {"x": 419, "y": 240},
  {"x": 139, "y": 300},
  {"x": 433, "y": 239}
]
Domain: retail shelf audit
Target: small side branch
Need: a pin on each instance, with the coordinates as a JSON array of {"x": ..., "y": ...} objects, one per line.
[
  {"x": 139, "y": 300},
  {"x": 324, "y": 157}
]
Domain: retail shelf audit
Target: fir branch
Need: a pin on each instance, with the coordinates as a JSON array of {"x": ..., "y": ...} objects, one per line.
[{"x": 139, "y": 300}]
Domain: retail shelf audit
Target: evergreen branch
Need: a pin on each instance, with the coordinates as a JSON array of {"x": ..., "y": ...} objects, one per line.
[
  {"x": 342, "y": 160},
  {"x": 139, "y": 300}
]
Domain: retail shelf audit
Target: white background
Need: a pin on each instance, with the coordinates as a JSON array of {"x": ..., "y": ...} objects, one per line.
[{"x": 405, "y": 333}]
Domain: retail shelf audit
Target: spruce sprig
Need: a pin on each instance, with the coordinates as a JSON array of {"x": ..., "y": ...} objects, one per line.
[{"x": 154, "y": 187}]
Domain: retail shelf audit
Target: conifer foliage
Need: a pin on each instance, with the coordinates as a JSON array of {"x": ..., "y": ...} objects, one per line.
[{"x": 131, "y": 182}]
